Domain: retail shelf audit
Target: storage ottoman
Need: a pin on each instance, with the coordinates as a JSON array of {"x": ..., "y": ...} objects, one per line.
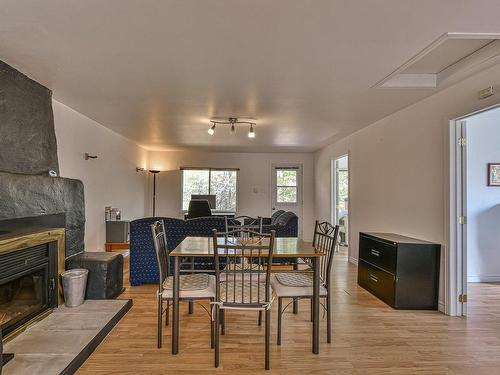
[{"x": 105, "y": 280}]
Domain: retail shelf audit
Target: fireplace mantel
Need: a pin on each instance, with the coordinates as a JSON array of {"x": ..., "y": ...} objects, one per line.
[{"x": 18, "y": 239}]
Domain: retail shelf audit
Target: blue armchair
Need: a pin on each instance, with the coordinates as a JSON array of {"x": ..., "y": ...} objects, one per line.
[{"x": 143, "y": 265}]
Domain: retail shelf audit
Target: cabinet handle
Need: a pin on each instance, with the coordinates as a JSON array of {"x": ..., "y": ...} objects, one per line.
[
  {"x": 375, "y": 252},
  {"x": 373, "y": 278}
]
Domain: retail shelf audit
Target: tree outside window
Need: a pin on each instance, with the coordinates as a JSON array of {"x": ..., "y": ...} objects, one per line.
[
  {"x": 286, "y": 186},
  {"x": 219, "y": 182}
]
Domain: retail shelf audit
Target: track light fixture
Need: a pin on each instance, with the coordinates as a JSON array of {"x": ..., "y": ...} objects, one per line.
[
  {"x": 211, "y": 131},
  {"x": 232, "y": 121},
  {"x": 251, "y": 133}
]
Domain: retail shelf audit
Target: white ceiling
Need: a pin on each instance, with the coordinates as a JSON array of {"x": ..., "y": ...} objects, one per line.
[{"x": 157, "y": 71}]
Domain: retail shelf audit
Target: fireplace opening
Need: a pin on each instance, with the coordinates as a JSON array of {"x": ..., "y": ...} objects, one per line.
[{"x": 27, "y": 285}]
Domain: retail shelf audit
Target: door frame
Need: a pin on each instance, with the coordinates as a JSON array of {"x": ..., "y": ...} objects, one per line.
[
  {"x": 333, "y": 195},
  {"x": 333, "y": 185},
  {"x": 456, "y": 257},
  {"x": 300, "y": 189}
]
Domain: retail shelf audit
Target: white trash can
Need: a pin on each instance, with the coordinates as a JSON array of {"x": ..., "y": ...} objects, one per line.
[{"x": 74, "y": 285}]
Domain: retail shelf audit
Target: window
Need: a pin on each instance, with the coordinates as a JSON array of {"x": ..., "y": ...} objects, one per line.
[
  {"x": 219, "y": 182},
  {"x": 286, "y": 185}
]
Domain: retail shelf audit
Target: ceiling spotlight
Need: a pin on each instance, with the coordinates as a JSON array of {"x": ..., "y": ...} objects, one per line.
[
  {"x": 232, "y": 121},
  {"x": 251, "y": 133},
  {"x": 211, "y": 131}
]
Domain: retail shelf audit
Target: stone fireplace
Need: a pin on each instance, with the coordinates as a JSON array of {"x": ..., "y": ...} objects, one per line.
[{"x": 42, "y": 215}]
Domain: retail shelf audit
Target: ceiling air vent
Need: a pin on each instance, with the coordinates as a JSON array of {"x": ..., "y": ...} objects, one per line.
[{"x": 450, "y": 56}]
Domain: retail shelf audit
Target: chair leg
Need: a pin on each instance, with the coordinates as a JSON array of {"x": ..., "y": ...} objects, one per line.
[
  {"x": 312, "y": 312},
  {"x": 167, "y": 314},
  {"x": 260, "y": 318},
  {"x": 190, "y": 307},
  {"x": 160, "y": 318},
  {"x": 216, "y": 335},
  {"x": 222, "y": 322},
  {"x": 280, "y": 307},
  {"x": 328, "y": 319},
  {"x": 268, "y": 336},
  {"x": 212, "y": 344}
]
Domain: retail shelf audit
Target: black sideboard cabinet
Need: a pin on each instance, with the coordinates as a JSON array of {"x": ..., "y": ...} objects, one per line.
[{"x": 401, "y": 271}]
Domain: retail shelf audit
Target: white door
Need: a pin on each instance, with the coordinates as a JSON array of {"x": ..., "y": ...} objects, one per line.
[{"x": 286, "y": 191}]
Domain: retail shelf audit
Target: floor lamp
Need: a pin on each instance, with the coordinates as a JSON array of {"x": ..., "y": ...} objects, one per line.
[{"x": 154, "y": 172}]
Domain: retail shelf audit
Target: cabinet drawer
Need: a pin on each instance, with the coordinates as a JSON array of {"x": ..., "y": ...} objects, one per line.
[
  {"x": 377, "y": 281},
  {"x": 378, "y": 253}
]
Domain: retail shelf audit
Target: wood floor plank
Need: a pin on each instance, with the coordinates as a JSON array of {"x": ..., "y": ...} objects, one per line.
[{"x": 369, "y": 338}]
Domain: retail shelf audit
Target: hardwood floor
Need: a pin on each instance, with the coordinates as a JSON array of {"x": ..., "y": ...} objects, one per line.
[{"x": 369, "y": 338}]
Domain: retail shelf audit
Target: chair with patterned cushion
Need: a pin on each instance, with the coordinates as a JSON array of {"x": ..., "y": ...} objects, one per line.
[
  {"x": 143, "y": 267},
  {"x": 299, "y": 284},
  {"x": 243, "y": 288},
  {"x": 271, "y": 220},
  {"x": 193, "y": 287},
  {"x": 242, "y": 222}
]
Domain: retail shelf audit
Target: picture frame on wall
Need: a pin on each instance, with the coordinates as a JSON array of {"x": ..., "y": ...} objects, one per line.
[{"x": 493, "y": 174}]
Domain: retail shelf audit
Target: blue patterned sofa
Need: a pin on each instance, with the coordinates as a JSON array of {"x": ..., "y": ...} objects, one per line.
[{"x": 143, "y": 265}]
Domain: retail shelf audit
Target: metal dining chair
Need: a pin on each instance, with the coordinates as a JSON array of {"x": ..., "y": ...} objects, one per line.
[
  {"x": 299, "y": 285},
  {"x": 243, "y": 288},
  {"x": 193, "y": 287},
  {"x": 243, "y": 221}
]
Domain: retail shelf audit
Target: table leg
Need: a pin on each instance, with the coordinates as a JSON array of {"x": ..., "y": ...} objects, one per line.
[
  {"x": 296, "y": 300},
  {"x": 315, "y": 334},
  {"x": 175, "y": 325},
  {"x": 191, "y": 303}
]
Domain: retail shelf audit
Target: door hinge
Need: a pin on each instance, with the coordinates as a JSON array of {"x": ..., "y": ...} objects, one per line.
[
  {"x": 462, "y": 220},
  {"x": 462, "y": 142},
  {"x": 462, "y": 298}
]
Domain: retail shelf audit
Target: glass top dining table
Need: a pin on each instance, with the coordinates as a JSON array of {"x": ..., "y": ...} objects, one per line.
[{"x": 288, "y": 247}]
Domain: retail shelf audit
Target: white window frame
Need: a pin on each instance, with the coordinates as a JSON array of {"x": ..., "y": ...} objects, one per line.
[
  {"x": 209, "y": 169},
  {"x": 297, "y": 187}
]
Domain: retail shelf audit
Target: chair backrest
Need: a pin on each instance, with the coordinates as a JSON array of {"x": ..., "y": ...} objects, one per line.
[
  {"x": 247, "y": 256},
  {"x": 199, "y": 208},
  {"x": 160, "y": 243},
  {"x": 325, "y": 241},
  {"x": 244, "y": 222}
]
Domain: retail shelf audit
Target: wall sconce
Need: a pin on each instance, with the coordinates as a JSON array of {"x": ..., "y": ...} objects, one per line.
[
  {"x": 139, "y": 169},
  {"x": 88, "y": 156}
]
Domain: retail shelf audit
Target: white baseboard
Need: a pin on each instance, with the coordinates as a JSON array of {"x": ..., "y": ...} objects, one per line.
[
  {"x": 353, "y": 260},
  {"x": 483, "y": 278},
  {"x": 441, "y": 307}
]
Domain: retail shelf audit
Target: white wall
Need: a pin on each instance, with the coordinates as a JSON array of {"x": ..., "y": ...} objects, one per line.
[
  {"x": 110, "y": 180},
  {"x": 398, "y": 167},
  {"x": 254, "y": 180},
  {"x": 483, "y": 201}
]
